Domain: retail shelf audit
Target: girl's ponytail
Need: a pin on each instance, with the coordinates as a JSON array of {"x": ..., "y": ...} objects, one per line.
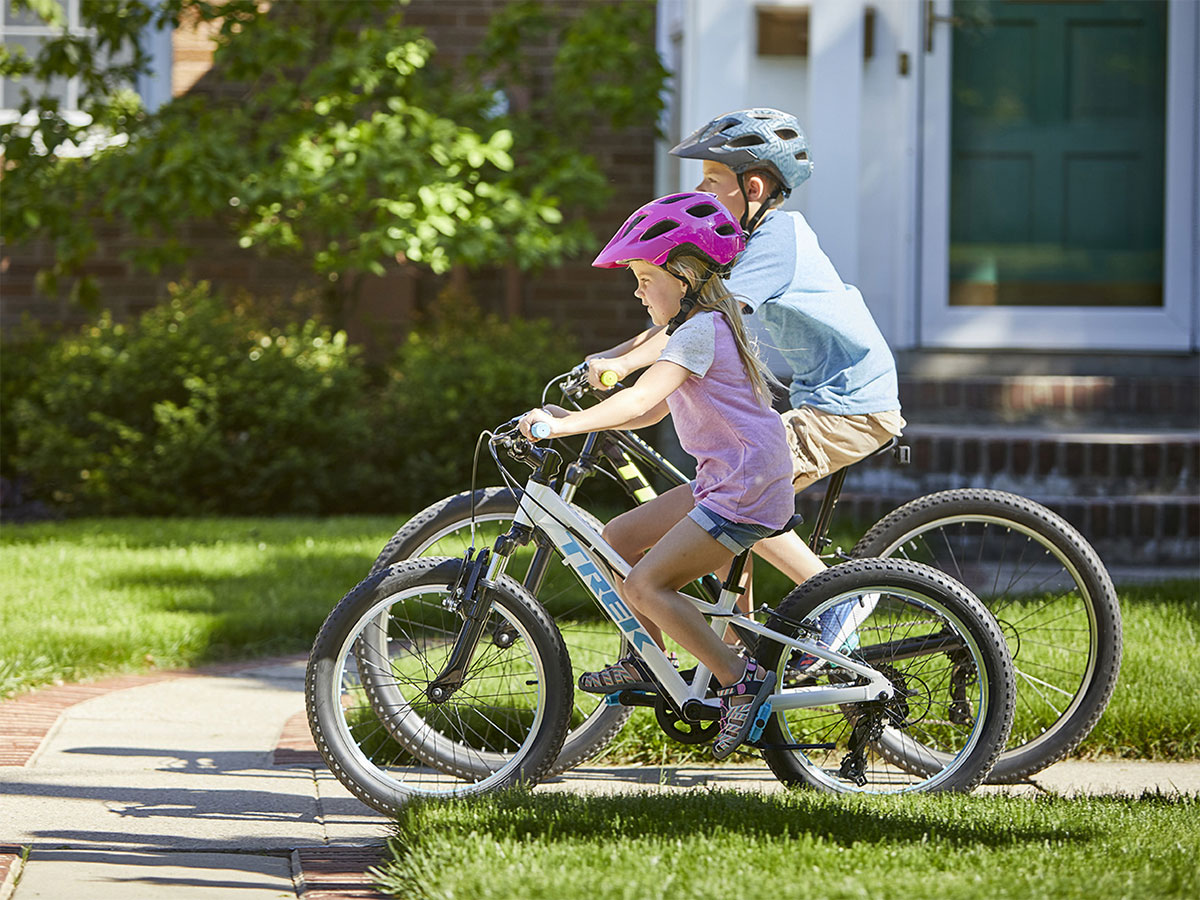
[{"x": 695, "y": 269}]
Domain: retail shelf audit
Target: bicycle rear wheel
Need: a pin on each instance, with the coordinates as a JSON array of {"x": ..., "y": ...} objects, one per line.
[
  {"x": 945, "y": 657},
  {"x": 1050, "y": 593},
  {"x": 444, "y": 529},
  {"x": 503, "y": 725}
]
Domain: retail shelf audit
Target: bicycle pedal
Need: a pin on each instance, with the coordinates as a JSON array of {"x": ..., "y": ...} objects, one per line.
[
  {"x": 760, "y": 722},
  {"x": 630, "y": 698}
]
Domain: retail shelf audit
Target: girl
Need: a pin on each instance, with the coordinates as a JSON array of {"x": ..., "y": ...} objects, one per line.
[{"x": 717, "y": 389}]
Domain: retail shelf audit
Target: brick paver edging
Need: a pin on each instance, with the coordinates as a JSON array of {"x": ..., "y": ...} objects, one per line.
[
  {"x": 26, "y": 719},
  {"x": 336, "y": 873},
  {"x": 10, "y": 867}
]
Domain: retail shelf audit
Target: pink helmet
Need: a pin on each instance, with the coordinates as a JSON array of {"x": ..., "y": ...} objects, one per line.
[{"x": 689, "y": 218}]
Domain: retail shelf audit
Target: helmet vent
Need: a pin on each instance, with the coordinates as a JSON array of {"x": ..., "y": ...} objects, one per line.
[
  {"x": 675, "y": 198},
  {"x": 725, "y": 230},
  {"x": 658, "y": 229},
  {"x": 748, "y": 140},
  {"x": 786, "y": 134},
  {"x": 632, "y": 224},
  {"x": 701, "y": 210},
  {"x": 802, "y": 155}
]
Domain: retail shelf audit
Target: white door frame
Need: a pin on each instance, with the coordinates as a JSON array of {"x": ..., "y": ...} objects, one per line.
[{"x": 1173, "y": 327}]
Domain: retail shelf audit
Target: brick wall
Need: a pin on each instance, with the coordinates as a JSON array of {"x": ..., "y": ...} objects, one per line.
[{"x": 595, "y": 305}]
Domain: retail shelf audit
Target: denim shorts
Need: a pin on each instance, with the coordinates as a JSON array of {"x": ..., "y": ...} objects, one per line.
[{"x": 733, "y": 536}]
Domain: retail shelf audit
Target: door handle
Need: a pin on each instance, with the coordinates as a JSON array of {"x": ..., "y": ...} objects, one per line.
[{"x": 931, "y": 19}]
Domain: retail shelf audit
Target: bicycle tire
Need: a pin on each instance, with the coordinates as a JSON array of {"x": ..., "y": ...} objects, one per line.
[
  {"x": 936, "y": 643},
  {"x": 1066, "y": 645},
  {"x": 444, "y": 528},
  {"x": 513, "y": 706}
]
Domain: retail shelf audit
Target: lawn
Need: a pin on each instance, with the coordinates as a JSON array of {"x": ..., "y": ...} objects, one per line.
[
  {"x": 799, "y": 844},
  {"x": 83, "y": 599}
]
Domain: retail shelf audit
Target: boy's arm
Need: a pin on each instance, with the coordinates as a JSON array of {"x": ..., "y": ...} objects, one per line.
[{"x": 634, "y": 354}]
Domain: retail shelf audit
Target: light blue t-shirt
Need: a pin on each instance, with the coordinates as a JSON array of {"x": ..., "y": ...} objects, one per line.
[{"x": 840, "y": 362}]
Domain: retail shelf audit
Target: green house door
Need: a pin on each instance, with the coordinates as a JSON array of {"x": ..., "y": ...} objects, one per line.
[{"x": 1046, "y": 154}]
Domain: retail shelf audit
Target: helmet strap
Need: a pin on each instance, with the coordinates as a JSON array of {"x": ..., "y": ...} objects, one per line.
[
  {"x": 686, "y": 305},
  {"x": 687, "y": 302}
]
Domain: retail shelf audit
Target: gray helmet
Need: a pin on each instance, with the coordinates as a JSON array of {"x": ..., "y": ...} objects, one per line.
[{"x": 753, "y": 139}]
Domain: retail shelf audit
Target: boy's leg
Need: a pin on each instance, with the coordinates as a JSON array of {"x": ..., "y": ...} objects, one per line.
[
  {"x": 822, "y": 443},
  {"x": 790, "y": 555}
]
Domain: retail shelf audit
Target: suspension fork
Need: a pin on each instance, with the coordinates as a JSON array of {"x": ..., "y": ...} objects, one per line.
[{"x": 472, "y": 593}]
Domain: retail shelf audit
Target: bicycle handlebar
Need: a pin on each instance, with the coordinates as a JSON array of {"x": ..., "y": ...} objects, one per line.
[{"x": 575, "y": 384}]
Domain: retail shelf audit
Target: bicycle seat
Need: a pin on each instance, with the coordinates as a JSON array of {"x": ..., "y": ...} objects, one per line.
[
  {"x": 898, "y": 450},
  {"x": 793, "y": 523}
]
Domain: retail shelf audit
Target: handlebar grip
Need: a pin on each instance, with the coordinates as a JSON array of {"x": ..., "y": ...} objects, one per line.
[
  {"x": 608, "y": 378},
  {"x": 540, "y": 430}
]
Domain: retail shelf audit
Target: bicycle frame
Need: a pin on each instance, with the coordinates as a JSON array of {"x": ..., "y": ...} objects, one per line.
[
  {"x": 600, "y": 568},
  {"x": 625, "y": 450}
]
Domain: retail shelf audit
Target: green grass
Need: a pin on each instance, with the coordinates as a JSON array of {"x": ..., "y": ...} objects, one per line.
[
  {"x": 800, "y": 844},
  {"x": 87, "y": 598}
]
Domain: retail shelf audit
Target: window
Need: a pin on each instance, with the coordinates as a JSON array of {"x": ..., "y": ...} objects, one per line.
[{"x": 20, "y": 27}]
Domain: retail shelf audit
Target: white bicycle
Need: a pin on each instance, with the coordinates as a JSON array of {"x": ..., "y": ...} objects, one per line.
[{"x": 445, "y": 677}]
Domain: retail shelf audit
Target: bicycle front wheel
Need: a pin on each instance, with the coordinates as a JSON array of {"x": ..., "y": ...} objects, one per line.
[
  {"x": 945, "y": 657},
  {"x": 1049, "y": 591},
  {"x": 503, "y": 725},
  {"x": 445, "y": 529}
]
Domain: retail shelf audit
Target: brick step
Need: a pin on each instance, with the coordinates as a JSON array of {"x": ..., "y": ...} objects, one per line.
[
  {"x": 1042, "y": 461},
  {"x": 1064, "y": 399},
  {"x": 1135, "y": 530}
]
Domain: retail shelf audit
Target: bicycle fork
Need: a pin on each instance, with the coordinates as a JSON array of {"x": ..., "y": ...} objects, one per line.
[{"x": 471, "y": 595}]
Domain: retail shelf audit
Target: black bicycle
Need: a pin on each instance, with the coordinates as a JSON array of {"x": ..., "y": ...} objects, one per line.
[{"x": 1039, "y": 577}]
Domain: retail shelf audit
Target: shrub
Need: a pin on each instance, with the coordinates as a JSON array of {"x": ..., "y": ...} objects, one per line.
[
  {"x": 464, "y": 372},
  {"x": 196, "y": 407},
  {"x": 201, "y": 407}
]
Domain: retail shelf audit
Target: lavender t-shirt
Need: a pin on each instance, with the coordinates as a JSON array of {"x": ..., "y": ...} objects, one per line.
[{"x": 743, "y": 465}]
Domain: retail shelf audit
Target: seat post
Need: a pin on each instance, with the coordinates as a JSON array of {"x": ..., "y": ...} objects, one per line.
[
  {"x": 733, "y": 581},
  {"x": 819, "y": 540}
]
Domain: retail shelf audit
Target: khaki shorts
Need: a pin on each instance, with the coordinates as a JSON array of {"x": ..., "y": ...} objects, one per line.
[{"x": 823, "y": 442}]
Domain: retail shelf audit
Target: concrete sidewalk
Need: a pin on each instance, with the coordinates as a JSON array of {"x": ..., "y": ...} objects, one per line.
[{"x": 183, "y": 785}]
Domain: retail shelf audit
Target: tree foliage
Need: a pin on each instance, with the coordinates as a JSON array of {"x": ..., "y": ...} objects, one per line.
[{"x": 333, "y": 140}]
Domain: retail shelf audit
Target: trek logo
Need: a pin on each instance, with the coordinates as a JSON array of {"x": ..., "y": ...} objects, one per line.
[{"x": 578, "y": 560}]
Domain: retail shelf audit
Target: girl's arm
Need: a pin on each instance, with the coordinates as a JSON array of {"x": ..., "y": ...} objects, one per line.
[
  {"x": 636, "y": 353},
  {"x": 635, "y": 407}
]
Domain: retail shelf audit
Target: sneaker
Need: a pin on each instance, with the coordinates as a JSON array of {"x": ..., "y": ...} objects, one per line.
[
  {"x": 627, "y": 674},
  {"x": 740, "y": 703}
]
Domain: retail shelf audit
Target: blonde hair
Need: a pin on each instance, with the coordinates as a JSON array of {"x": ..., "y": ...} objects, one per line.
[{"x": 715, "y": 296}]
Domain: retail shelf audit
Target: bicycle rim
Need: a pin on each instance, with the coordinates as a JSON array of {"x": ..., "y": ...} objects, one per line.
[
  {"x": 487, "y": 727},
  {"x": 591, "y": 640},
  {"x": 1053, "y": 602},
  {"x": 942, "y": 732}
]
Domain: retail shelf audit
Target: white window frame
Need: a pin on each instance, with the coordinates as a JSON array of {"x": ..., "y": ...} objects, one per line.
[
  {"x": 154, "y": 87},
  {"x": 1172, "y": 327}
]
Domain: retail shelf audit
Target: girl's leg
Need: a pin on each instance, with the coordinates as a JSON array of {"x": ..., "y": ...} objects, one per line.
[
  {"x": 632, "y": 533},
  {"x": 680, "y": 556}
]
